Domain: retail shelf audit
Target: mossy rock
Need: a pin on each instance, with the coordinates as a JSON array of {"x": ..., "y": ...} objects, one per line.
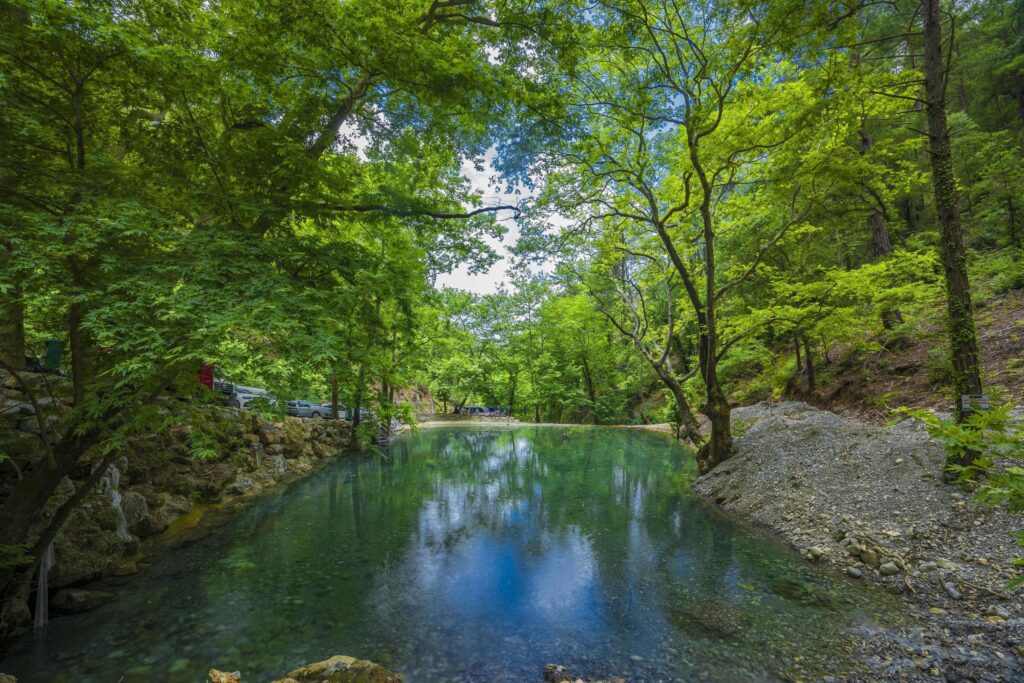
[{"x": 341, "y": 669}]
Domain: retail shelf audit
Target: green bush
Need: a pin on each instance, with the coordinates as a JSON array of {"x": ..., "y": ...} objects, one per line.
[
  {"x": 991, "y": 434},
  {"x": 997, "y": 273}
]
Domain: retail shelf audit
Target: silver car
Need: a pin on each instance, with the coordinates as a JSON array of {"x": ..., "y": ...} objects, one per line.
[{"x": 304, "y": 409}]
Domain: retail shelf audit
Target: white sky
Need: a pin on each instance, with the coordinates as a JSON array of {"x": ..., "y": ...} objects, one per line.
[{"x": 485, "y": 182}]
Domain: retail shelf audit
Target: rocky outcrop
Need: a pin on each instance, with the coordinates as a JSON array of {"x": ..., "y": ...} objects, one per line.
[
  {"x": 337, "y": 669},
  {"x": 159, "y": 479},
  {"x": 159, "y": 482}
]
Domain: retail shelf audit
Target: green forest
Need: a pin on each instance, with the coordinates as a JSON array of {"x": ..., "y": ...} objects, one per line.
[{"x": 692, "y": 207}]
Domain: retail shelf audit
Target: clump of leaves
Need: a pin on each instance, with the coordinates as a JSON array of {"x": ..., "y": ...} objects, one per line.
[
  {"x": 14, "y": 555},
  {"x": 994, "y": 436}
]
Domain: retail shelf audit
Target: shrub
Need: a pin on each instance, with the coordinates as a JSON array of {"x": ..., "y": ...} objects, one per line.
[{"x": 991, "y": 434}]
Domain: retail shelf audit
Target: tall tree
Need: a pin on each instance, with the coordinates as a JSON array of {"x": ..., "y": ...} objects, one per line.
[{"x": 963, "y": 338}]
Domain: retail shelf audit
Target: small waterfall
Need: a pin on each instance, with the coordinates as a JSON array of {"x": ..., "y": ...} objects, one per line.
[
  {"x": 110, "y": 481},
  {"x": 43, "y": 590}
]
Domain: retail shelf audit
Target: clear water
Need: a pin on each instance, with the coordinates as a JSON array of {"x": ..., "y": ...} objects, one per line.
[{"x": 474, "y": 553}]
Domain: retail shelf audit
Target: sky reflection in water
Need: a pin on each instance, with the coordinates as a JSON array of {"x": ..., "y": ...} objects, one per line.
[{"x": 473, "y": 553}]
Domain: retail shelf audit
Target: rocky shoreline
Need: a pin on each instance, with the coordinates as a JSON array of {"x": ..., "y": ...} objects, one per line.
[
  {"x": 153, "y": 500},
  {"x": 871, "y": 503}
]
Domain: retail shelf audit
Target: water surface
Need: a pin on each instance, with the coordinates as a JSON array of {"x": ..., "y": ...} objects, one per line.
[{"x": 474, "y": 553}]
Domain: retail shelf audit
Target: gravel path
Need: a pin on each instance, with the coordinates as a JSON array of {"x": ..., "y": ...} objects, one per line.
[{"x": 871, "y": 503}]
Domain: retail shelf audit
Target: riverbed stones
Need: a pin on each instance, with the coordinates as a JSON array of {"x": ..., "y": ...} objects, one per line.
[
  {"x": 865, "y": 511},
  {"x": 888, "y": 569},
  {"x": 854, "y": 572},
  {"x": 996, "y": 611}
]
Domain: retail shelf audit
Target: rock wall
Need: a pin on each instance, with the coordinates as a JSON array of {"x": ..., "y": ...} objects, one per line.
[{"x": 157, "y": 481}]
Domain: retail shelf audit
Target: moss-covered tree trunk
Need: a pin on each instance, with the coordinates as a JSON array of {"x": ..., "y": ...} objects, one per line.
[
  {"x": 12, "y": 321},
  {"x": 962, "y": 336}
]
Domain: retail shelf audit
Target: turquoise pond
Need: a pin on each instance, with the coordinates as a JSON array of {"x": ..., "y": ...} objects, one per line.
[{"x": 474, "y": 553}]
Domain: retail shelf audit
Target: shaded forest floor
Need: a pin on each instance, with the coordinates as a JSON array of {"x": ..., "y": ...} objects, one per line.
[{"x": 910, "y": 371}]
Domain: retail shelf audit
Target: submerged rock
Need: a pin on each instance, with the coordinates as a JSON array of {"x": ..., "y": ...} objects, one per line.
[{"x": 556, "y": 673}]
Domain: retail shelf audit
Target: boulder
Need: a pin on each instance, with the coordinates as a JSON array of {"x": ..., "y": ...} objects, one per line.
[
  {"x": 135, "y": 509},
  {"x": 270, "y": 434},
  {"x": 78, "y": 600},
  {"x": 14, "y": 616},
  {"x": 224, "y": 676},
  {"x": 276, "y": 465},
  {"x": 341, "y": 669},
  {"x": 241, "y": 485},
  {"x": 12, "y": 407},
  {"x": 21, "y": 446}
]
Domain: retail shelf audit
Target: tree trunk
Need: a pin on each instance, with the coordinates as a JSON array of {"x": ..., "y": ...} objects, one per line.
[
  {"x": 357, "y": 403},
  {"x": 796, "y": 351},
  {"x": 809, "y": 363},
  {"x": 589, "y": 381},
  {"x": 512, "y": 396},
  {"x": 841, "y": 257},
  {"x": 688, "y": 425},
  {"x": 78, "y": 337},
  {"x": 335, "y": 405},
  {"x": 962, "y": 335},
  {"x": 719, "y": 446},
  {"x": 881, "y": 247},
  {"x": 12, "y": 325},
  {"x": 1011, "y": 212}
]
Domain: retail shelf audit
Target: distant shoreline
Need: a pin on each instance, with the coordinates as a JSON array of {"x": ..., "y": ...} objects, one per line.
[{"x": 663, "y": 427}]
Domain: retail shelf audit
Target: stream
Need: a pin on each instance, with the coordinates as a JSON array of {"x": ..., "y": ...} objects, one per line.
[{"x": 469, "y": 553}]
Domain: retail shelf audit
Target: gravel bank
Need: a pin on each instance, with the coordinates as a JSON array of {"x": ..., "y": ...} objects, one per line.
[{"x": 871, "y": 503}]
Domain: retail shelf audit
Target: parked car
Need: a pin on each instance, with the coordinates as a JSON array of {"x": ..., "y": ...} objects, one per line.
[
  {"x": 304, "y": 409},
  {"x": 328, "y": 411},
  {"x": 246, "y": 397}
]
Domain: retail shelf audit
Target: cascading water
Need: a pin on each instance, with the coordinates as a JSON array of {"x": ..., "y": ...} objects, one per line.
[
  {"x": 43, "y": 590},
  {"x": 110, "y": 481}
]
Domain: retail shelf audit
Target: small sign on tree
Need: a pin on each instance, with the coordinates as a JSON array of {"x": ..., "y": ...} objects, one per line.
[{"x": 973, "y": 403}]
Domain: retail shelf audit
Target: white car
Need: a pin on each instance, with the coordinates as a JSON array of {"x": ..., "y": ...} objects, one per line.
[{"x": 244, "y": 396}]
